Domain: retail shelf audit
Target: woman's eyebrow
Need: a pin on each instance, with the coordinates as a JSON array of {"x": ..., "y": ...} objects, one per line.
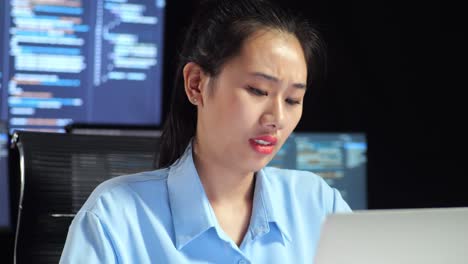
[{"x": 275, "y": 80}]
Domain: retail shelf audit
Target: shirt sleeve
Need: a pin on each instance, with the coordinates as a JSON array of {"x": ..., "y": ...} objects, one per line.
[
  {"x": 339, "y": 204},
  {"x": 88, "y": 241}
]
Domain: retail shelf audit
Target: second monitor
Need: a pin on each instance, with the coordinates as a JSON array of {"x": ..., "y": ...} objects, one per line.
[{"x": 339, "y": 158}]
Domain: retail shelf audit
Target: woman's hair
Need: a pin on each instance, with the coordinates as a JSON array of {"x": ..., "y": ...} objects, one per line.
[{"x": 216, "y": 35}]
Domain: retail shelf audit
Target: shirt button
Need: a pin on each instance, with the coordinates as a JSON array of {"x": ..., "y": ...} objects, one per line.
[{"x": 242, "y": 261}]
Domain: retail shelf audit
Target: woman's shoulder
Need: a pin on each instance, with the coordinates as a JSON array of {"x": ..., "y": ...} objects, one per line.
[
  {"x": 295, "y": 178},
  {"x": 306, "y": 187},
  {"x": 120, "y": 190}
]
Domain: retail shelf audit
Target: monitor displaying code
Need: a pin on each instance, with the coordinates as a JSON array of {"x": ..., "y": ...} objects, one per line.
[{"x": 97, "y": 62}]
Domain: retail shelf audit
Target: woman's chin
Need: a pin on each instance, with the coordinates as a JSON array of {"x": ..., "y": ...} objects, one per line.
[{"x": 259, "y": 164}]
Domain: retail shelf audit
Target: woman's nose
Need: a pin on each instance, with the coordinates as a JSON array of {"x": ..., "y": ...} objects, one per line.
[{"x": 273, "y": 116}]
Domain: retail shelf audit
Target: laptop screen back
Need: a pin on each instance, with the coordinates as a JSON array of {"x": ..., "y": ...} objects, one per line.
[{"x": 407, "y": 236}]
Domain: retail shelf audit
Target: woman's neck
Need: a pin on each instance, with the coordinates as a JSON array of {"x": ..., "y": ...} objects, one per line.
[
  {"x": 223, "y": 184},
  {"x": 230, "y": 193}
]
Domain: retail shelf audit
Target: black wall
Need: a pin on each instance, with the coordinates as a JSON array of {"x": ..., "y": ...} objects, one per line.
[{"x": 396, "y": 73}]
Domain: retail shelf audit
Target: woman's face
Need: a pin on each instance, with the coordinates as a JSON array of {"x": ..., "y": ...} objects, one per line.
[{"x": 248, "y": 111}]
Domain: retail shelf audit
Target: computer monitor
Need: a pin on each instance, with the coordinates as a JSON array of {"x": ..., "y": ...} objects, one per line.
[
  {"x": 339, "y": 158},
  {"x": 97, "y": 62},
  {"x": 3, "y": 52},
  {"x": 4, "y": 186}
]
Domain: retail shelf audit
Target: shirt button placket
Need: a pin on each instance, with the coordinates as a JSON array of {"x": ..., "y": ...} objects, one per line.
[{"x": 261, "y": 230}]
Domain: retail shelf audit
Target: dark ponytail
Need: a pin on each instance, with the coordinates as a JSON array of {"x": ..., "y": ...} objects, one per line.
[{"x": 216, "y": 34}]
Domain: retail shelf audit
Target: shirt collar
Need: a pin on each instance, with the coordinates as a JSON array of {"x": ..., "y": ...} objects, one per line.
[
  {"x": 193, "y": 215},
  {"x": 191, "y": 211},
  {"x": 268, "y": 207}
]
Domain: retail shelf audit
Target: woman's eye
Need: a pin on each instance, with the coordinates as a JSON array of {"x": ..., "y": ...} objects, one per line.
[
  {"x": 256, "y": 91},
  {"x": 293, "y": 102}
]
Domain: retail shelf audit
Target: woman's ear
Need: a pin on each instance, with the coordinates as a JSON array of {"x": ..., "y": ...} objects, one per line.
[{"x": 194, "y": 80}]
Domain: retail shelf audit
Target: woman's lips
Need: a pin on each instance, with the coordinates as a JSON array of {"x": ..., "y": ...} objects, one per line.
[{"x": 263, "y": 144}]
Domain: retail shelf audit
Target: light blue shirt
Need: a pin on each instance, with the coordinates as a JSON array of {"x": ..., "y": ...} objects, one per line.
[{"x": 164, "y": 216}]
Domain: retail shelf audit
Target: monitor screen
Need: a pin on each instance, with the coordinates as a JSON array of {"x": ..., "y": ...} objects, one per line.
[
  {"x": 97, "y": 62},
  {"x": 4, "y": 187},
  {"x": 4, "y": 190},
  {"x": 3, "y": 54},
  {"x": 339, "y": 158}
]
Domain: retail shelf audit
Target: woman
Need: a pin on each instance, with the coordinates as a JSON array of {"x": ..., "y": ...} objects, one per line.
[{"x": 243, "y": 73}]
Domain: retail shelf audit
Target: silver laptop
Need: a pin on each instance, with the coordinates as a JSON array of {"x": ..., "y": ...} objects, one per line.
[{"x": 403, "y": 236}]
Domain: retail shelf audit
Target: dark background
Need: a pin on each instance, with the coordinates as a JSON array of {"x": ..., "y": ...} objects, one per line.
[{"x": 395, "y": 72}]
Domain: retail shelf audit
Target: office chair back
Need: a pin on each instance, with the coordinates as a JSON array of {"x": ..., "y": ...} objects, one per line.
[{"x": 57, "y": 173}]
